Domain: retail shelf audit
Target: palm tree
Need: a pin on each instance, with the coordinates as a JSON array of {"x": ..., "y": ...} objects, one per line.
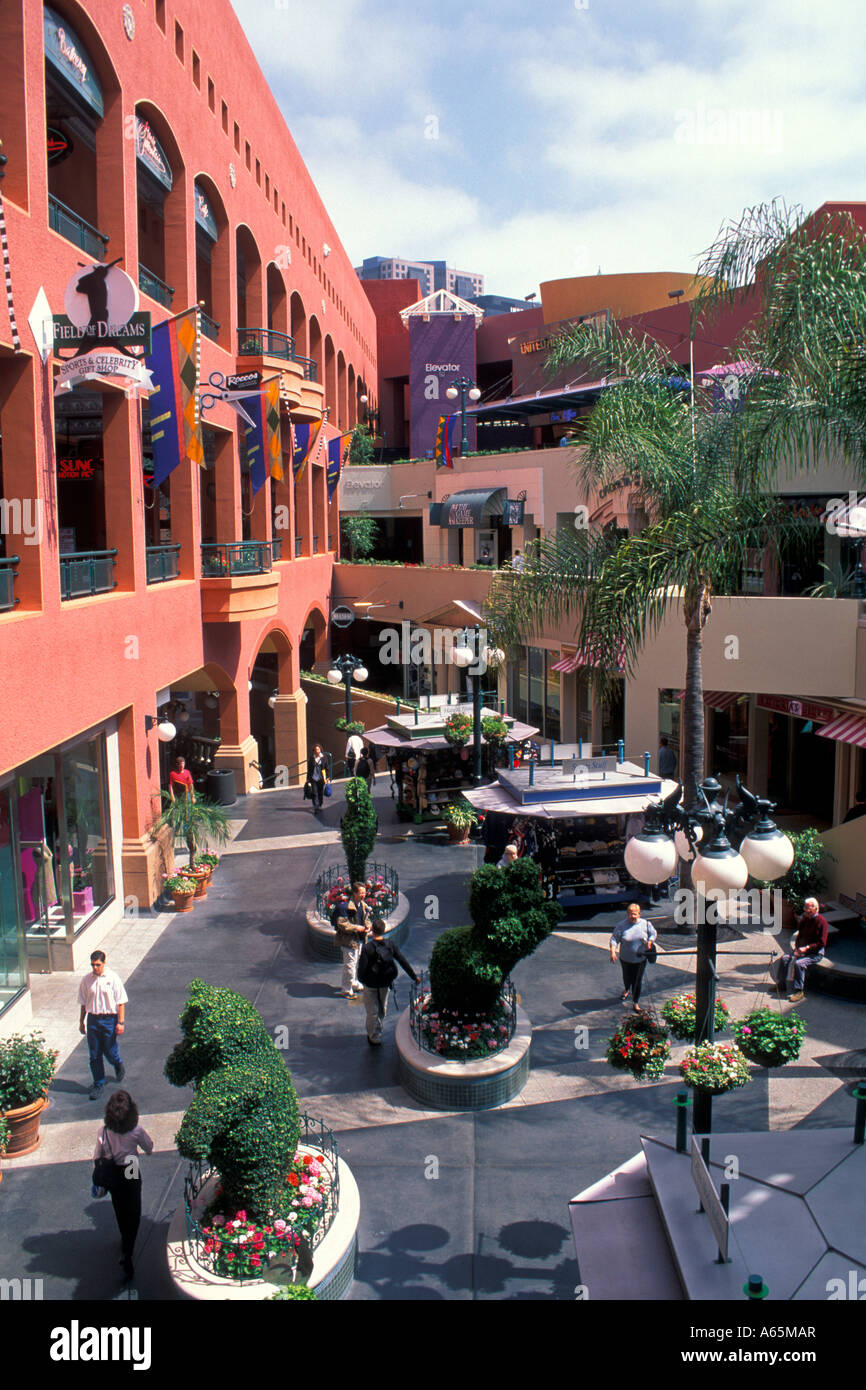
[
  {"x": 197, "y": 822},
  {"x": 702, "y": 480}
]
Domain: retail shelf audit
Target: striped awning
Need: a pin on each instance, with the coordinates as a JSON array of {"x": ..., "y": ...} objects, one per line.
[
  {"x": 567, "y": 664},
  {"x": 848, "y": 728},
  {"x": 584, "y": 657},
  {"x": 718, "y": 699}
]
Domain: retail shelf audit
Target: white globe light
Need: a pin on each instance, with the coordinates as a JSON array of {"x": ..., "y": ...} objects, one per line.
[
  {"x": 334, "y": 676},
  {"x": 725, "y": 871},
  {"x": 165, "y": 731},
  {"x": 650, "y": 857},
  {"x": 767, "y": 856},
  {"x": 493, "y": 656},
  {"x": 475, "y": 394},
  {"x": 360, "y": 673},
  {"x": 363, "y": 399},
  {"x": 212, "y": 701},
  {"x": 452, "y": 393},
  {"x": 183, "y": 716},
  {"x": 682, "y": 843},
  {"x": 273, "y": 702},
  {"x": 462, "y": 656}
]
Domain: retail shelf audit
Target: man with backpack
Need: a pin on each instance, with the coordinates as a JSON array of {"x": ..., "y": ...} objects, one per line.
[{"x": 377, "y": 972}]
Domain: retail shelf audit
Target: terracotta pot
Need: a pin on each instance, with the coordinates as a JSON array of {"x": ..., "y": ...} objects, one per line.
[
  {"x": 789, "y": 916},
  {"x": 182, "y": 901},
  {"x": 458, "y": 834},
  {"x": 202, "y": 878},
  {"x": 24, "y": 1128}
]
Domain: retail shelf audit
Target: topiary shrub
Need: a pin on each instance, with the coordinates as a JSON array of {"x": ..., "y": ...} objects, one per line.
[
  {"x": 510, "y": 918},
  {"x": 358, "y": 828},
  {"x": 244, "y": 1115}
]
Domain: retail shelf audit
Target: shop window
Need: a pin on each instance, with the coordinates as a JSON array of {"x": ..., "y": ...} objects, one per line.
[
  {"x": 13, "y": 965},
  {"x": 613, "y": 715},
  {"x": 553, "y": 700},
  {"x": 670, "y": 716},
  {"x": 80, "y": 472},
  {"x": 730, "y": 741}
]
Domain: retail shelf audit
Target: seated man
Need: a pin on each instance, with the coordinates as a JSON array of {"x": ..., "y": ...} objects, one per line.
[{"x": 807, "y": 946}]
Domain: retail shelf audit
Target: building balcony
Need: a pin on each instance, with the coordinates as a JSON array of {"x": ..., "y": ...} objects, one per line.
[
  {"x": 86, "y": 573},
  {"x": 163, "y": 563},
  {"x": 265, "y": 342},
  {"x": 8, "y": 575},
  {"x": 238, "y": 581},
  {"x": 150, "y": 284},
  {"x": 209, "y": 327},
  {"x": 74, "y": 228},
  {"x": 264, "y": 349}
]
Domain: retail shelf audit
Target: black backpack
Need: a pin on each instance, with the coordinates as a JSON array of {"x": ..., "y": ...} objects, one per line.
[{"x": 379, "y": 966}]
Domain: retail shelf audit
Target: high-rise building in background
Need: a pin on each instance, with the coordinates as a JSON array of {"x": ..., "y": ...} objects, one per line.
[{"x": 431, "y": 275}]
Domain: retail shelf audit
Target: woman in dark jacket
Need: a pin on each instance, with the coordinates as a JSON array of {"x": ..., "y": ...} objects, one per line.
[
  {"x": 120, "y": 1139},
  {"x": 317, "y": 775}
]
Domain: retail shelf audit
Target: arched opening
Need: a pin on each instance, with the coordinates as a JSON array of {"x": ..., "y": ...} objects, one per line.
[
  {"x": 248, "y": 282},
  {"x": 316, "y": 354},
  {"x": 342, "y": 401},
  {"x": 278, "y": 307},
  {"x": 313, "y": 650},
  {"x": 212, "y": 274},
  {"x": 82, "y": 97},
  {"x": 161, "y": 208},
  {"x": 298, "y": 329},
  {"x": 331, "y": 379},
  {"x": 270, "y": 684},
  {"x": 352, "y": 393}
]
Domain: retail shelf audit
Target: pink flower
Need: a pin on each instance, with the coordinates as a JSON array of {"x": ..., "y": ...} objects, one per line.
[
  {"x": 306, "y": 1202},
  {"x": 280, "y": 1226}
]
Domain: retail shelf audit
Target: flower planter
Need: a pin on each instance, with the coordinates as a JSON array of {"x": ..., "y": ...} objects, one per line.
[
  {"x": 479, "y": 1084},
  {"x": 458, "y": 834},
  {"x": 23, "y": 1125},
  {"x": 82, "y": 900},
  {"x": 202, "y": 878},
  {"x": 183, "y": 901}
]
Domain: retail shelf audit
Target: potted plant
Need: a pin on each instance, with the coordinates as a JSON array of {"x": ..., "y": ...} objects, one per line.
[
  {"x": 770, "y": 1038},
  {"x": 494, "y": 730},
  {"x": 197, "y": 822},
  {"x": 806, "y": 877},
  {"x": 26, "y": 1071},
  {"x": 640, "y": 1045},
  {"x": 715, "y": 1067},
  {"x": 209, "y": 862},
  {"x": 183, "y": 890},
  {"x": 679, "y": 1015},
  {"x": 458, "y": 730},
  {"x": 460, "y": 817}
]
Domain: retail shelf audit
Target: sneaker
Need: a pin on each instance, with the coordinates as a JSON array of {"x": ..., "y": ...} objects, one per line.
[
  {"x": 121, "y": 1072},
  {"x": 347, "y": 994},
  {"x": 359, "y": 989},
  {"x": 796, "y": 998},
  {"x": 94, "y": 1093},
  {"x": 375, "y": 1042},
  {"x": 624, "y": 996}
]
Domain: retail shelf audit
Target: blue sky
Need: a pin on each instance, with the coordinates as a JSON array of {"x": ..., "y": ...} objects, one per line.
[{"x": 531, "y": 141}]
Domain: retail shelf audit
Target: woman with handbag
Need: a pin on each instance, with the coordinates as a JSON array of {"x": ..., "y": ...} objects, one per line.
[
  {"x": 116, "y": 1169},
  {"x": 634, "y": 940},
  {"x": 317, "y": 777}
]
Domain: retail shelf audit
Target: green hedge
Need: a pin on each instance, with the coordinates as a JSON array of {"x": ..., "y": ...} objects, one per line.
[{"x": 358, "y": 828}]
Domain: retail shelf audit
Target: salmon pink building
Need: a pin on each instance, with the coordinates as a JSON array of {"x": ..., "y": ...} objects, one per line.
[{"x": 144, "y": 137}]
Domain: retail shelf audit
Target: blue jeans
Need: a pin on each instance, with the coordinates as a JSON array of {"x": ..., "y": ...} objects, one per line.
[{"x": 102, "y": 1040}]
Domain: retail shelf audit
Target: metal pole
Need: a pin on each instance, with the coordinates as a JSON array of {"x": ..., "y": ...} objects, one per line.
[
  {"x": 620, "y": 750},
  {"x": 646, "y": 763},
  {"x": 464, "y": 442},
  {"x": 531, "y": 772},
  {"x": 705, "y": 1010},
  {"x": 476, "y": 713},
  {"x": 682, "y": 1103},
  {"x": 347, "y": 677},
  {"x": 859, "y": 1094}
]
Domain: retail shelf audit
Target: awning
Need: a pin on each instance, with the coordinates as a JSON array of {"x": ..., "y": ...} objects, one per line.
[
  {"x": 151, "y": 154},
  {"x": 719, "y": 699},
  {"x": 70, "y": 61},
  {"x": 538, "y": 403},
  {"x": 203, "y": 215},
  {"x": 848, "y": 728},
  {"x": 496, "y": 798},
  {"x": 470, "y": 508},
  {"x": 568, "y": 664}
]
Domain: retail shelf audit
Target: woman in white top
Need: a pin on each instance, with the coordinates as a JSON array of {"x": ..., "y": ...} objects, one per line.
[{"x": 120, "y": 1138}]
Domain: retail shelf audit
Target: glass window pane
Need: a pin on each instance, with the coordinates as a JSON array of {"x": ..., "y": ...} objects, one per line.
[
  {"x": 552, "y": 716},
  {"x": 536, "y": 687},
  {"x": 89, "y": 837},
  {"x": 13, "y": 975}
]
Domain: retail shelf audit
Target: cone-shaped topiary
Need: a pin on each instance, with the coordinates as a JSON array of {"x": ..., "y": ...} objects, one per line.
[
  {"x": 244, "y": 1115},
  {"x": 358, "y": 828},
  {"x": 510, "y": 916}
]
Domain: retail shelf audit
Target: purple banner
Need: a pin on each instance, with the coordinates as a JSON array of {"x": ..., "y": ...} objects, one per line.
[{"x": 440, "y": 351}]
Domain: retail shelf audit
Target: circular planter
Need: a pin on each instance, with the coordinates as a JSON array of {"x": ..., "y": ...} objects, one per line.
[
  {"x": 333, "y": 1259},
  {"x": 23, "y": 1124},
  {"x": 476, "y": 1085},
  {"x": 183, "y": 901},
  {"x": 322, "y": 939}
]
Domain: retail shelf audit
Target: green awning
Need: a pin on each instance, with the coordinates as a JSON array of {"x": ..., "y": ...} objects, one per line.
[
  {"x": 470, "y": 508},
  {"x": 70, "y": 60}
]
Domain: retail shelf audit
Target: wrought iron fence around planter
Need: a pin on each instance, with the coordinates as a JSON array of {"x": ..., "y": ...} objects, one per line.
[
  {"x": 508, "y": 1004},
  {"x": 265, "y": 342},
  {"x": 314, "y": 1135},
  {"x": 239, "y": 557},
  {"x": 329, "y": 879}
]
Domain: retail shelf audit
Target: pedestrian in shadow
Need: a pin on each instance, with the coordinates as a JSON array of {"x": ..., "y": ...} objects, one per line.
[
  {"x": 119, "y": 1139},
  {"x": 377, "y": 971}
]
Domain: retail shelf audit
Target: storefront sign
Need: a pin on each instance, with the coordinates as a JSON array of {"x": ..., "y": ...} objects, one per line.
[
  {"x": 203, "y": 215},
  {"x": 70, "y": 60},
  {"x": 244, "y": 381},
  {"x": 134, "y": 333},
  {"x": 513, "y": 514},
  {"x": 150, "y": 152},
  {"x": 342, "y": 616},
  {"x": 75, "y": 468},
  {"x": 101, "y": 303},
  {"x": 798, "y": 709},
  {"x": 130, "y": 370},
  {"x": 58, "y": 146}
]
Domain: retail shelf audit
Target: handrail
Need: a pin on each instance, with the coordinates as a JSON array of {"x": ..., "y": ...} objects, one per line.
[
  {"x": 265, "y": 342},
  {"x": 58, "y": 211},
  {"x": 91, "y": 558},
  {"x": 150, "y": 283},
  {"x": 7, "y": 581},
  {"x": 209, "y": 327}
]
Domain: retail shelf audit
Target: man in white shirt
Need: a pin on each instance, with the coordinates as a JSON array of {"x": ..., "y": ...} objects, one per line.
[
  {"x": 354, "y": 749},
  {"x": 103, "y": 1001}
]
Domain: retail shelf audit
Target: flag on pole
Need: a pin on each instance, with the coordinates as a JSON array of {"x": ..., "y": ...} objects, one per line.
[
  {"x": 442, "y": 453},
  {"x": 305, "y": 438},
  {"x": 175, "y": 426},
  {"x": 337, "y": 450}
]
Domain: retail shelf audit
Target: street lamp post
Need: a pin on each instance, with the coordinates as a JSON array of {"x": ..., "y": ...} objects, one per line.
[
  {"x": 464, "y": 386},
  {"x": 467, "y": 652},
  {"x": 718, "y": 869},
  {"x": 345, "y": 669}
]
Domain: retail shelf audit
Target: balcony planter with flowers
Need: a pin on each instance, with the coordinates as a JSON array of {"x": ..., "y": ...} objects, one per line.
[
  {"x": 453, "y": 1054},
  {"x": 715, "y": 1068},
  {"x": 183, "y": 889},
  {"x": 770, "y": 1038},
  {"x": 679, "y": 1015},
  {"x": 26, "y": 1072},
  {"x": 266, "y": 1198},
  {"x": 640, "y": 1045}
]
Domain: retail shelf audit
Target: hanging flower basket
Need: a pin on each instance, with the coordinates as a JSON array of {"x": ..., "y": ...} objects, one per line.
[
  {"x": 679, "y": 1014},
  {"x": 458, "y": 730},
  {"x": 769, "y": 1038},
  {"x": 640, "y": 1045},
  {"x": 494, "y": 730},
  {"x": 715, "y": 1068}
]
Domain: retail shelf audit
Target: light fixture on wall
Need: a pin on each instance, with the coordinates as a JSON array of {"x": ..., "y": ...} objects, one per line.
[
  {"x": 165, "y": 731},
  {"x": 272, "y": 701}
]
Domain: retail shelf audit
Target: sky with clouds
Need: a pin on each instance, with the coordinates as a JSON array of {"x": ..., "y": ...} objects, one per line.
[{"x": 532, "y": 141}]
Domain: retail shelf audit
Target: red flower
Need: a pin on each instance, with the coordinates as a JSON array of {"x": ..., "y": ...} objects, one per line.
[{"x": 294, "y": 1180}]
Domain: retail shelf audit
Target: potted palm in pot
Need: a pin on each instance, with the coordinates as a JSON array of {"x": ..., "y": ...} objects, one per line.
[
  {"x": 183, "y": 889},
  {"x": 197, "y": 822},
  {"x": 460, "y": 817},
  {"x": 26, "y": 1071}
]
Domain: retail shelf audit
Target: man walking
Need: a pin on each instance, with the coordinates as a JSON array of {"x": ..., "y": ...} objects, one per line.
[
  {"x": 377, "y": 972},
  {"x": 103, "y": 1001},
  {"x": 633, "y": 938},
  {"x": 356, "y": 913}
]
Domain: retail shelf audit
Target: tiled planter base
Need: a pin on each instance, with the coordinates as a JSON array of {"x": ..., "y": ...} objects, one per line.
[
  {"x": 322, "y": 939},
  {"x": 478, "y": 1085},
  {"x": 333, "y": 1260}
]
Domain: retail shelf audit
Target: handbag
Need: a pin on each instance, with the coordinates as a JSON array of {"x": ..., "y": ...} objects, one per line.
[
  {"x": 104, "y": 1171},
  {"x": 308, "y": 791},
  {"x": 327, "y": 789},
  {"x": 651, "y": 954}
]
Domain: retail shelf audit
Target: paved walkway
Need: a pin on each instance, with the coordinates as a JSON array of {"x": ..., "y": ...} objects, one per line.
[{"x": 454, "y": 1206}]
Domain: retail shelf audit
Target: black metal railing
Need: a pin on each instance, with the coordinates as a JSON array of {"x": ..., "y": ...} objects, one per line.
[
  {"x": 309, "y": 366},
  {"x": 265, "y": 342},
  {"x": 8, "y": 575},
  {"x": 315, "y": 544},
  {"x": 299, "y": 547},
  {"x": 209, "y": 327},
  {"x": 239, "y": 557},
  {"x": 383, "y": 888},
  {"x": 87, "y": 572},
  {"x": 162, "y": 563},
  {"x": 149, "y": 283},
  {"x": 448, "y": 1028},
  {"x": 318, "y": 1140},
  {"x": 277, "y": 548},
  {"x": 74, "y": 228}
]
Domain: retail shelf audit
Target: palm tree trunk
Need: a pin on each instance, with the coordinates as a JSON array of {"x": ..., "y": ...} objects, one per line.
[{"x": 697, "y": 610}]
